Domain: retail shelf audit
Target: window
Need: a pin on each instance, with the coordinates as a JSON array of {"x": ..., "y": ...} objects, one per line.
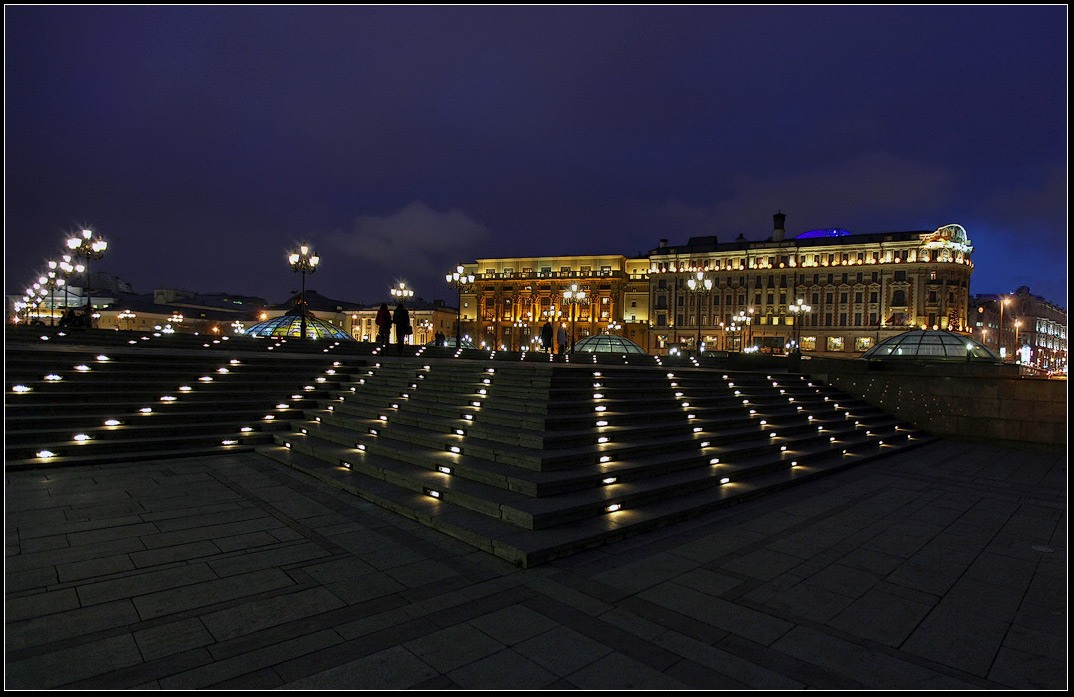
[
  {"x": 872, "y": 297},
  {"x": 842, "y": 297},
  {"x": 857, "y": 297},
  {"x": 900, "y": 275},
  {"x": 863, "y": 343},
  {"x": 898, "y": 298},
  {"x": 835, "y": 343},
  {"x": 842, "y": 319},
  {"x": 815, "y": 299},
  {"x": 829, "y": 297},
  {"x": 857, "y": 319},
  {"x": 828, "y": 319}
]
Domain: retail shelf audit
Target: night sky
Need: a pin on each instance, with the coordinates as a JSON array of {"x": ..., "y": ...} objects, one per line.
[{"x": 206, "y": 143}]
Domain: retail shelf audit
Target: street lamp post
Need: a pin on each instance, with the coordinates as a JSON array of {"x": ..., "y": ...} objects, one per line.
[
  {"x": 50, "y": 281},
  {"x": 459, "y": 280},
  {"x": 304, "y": 261},
  {"x": 66, "y": 268},
  {"x": 87, "y": 247},
  {"x": 1017, "y": 326},
  {"x": 1000, "y": 338},
  {"x": 518, "y": 325},
  {"x": 572, "y": 297},
  {"x": 800, "y": 310},
  {"x": 699, "y": 286},
  {"x": 740, "y": 321}
]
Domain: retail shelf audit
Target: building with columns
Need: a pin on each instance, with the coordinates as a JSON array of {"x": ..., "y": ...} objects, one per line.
[
  {"x": 858, "y": 289},
  {"x": 854, "y": 291},
  {"x": 511, "y": 299}
]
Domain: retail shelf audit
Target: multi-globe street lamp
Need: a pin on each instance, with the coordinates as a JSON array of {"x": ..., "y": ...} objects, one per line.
[
  {"x": 66, "y": 268},
  {"x": 800, "y": 310},
  {"x": 518, "y": 325},
  {"x": 87, "y": 247},
  {"x": 303, "y": 261},
  {"x": 127, "y": 315},
  {"x": 50, "y": 280},
  {"x": 401, "y": 292},
  {"x": 741, "y": 321},
  {"x": 573, "y": 297},
  {"x": 699, "y": 286},
  {"x": 459, "y": 280}
]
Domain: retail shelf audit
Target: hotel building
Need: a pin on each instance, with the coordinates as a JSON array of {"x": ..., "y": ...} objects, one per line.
[
  {"x": 859, "y": 289},
  {"x": 855, "y": 290}
]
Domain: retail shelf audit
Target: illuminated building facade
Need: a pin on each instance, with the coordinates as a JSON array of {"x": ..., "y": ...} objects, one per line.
[
  {"x": 511, "y": 299},
  {"x": 859, "y": 289},
  {"x": 425, "y": 318},
  {"x": 1033, "y": 331}
]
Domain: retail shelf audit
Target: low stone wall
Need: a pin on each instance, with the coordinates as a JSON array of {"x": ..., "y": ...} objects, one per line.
[{"x": 979, "y": 402}]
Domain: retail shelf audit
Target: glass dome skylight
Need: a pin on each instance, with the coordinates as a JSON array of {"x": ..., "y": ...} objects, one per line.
[
  {"x": 290, "y": 325},
  {"x": 932, "y": 345},
  {"x": 607, "y": 343}
]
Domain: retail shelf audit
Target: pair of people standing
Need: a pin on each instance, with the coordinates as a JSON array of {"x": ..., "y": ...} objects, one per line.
[
  {"x": 385, "y": 319},
  {"x": 560, "y": 334}
]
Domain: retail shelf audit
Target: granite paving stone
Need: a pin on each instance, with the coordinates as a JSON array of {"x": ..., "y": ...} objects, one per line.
[
  {"x": 50, "y": 670},
  {"x": 453, "y": 647},
  {"x": 914, "y": 572},
  {"x": 208, "y": 593},
  {"x": 267, "y": 612},
  {"x": 882, "y": 617},
  {"x": 616, "y": 671},
  {"x": 144, "y": 582},
  {"x": 513, "y": 624},
  {"x": 506, "y": 669},
  {"x": 737, "y": 619},
  {"x": 68, "y": 624},
  {"x": 172, "y": 637},
  {"x": 742, "y": 671},
  {"x": 879, "y": 670},
  {"x": 962, "y": 640},
  {"x": 394, "y": 668}
]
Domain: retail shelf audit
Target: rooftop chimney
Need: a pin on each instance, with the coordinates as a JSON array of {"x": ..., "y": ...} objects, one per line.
[{"x": 777, "y": 227}]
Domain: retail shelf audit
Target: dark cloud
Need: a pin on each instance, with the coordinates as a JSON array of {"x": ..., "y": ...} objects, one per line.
[{"x": 205, "y": 142}]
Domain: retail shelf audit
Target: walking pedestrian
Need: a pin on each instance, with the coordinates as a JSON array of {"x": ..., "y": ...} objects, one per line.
[{"x": 561, "y": 338}]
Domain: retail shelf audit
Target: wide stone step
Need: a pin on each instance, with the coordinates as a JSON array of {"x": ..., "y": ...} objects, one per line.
[{"x": 532, "y": 547}]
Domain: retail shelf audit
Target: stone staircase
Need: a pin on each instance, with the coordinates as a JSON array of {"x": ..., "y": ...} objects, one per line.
[
  {"x": 532, "y": 460},
  {"x": 73, "y": 404}
]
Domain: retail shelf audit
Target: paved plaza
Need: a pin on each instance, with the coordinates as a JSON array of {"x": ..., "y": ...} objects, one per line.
[{"x": 939, "y": 568}]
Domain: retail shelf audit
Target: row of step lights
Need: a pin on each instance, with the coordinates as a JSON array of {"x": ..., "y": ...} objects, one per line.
[
  {"x": 167, "y": 399},
  {"x": 54, "y": 377}
]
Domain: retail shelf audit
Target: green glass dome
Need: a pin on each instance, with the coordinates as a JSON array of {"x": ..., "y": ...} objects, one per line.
[
  {"x": 607, "y": 343},
  {"x": 932, "y": 345}
]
